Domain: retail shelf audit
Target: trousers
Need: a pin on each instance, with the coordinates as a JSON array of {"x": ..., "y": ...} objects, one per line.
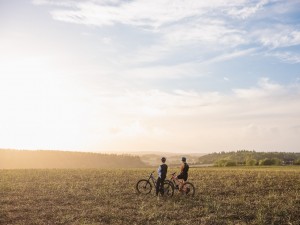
[{"x": 160, "y": 185}]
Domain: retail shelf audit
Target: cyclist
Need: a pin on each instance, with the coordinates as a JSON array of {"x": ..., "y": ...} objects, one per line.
[
  {"x": 162, "y": 173},
  {"x": 184, "y": 169}
]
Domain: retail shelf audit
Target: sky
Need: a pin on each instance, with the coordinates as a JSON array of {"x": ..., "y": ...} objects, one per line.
[{"x": 160, "y": 75}]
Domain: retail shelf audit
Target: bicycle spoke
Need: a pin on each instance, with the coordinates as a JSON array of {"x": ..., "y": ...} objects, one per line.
[
  {"x": 188, "y": 189},
  {"x": 143, "y": 187}
]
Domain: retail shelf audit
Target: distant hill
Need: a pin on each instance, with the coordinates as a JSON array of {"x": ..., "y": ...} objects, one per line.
[
  {"x": 19, "y": 159},
  {"x": 153, "y": 158},
  {"x": 240, "y": 157}
]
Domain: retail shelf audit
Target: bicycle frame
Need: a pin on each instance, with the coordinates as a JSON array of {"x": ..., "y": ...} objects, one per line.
[
  {"x": 174, "y": 179},
  {"x": 151, "y": 177},
  {"x": 146, "y": 187}
]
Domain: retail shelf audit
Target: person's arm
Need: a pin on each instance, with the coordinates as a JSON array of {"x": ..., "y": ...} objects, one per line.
[
  {"x": 159, "y": 171},
  {"x": 181, "y": 167}
]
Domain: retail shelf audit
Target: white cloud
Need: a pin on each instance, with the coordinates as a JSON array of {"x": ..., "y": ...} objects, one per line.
[
  {"x": 285, "y": 56},
  {"x": 244, "y": 12},
  {"x": 247, "y": 118},
  {"x": 193, "y": 102},
  {"x": 172, "y": 39},
  {"x": 177, "y": 20},
  {"x": 278, "y": 36},
  {"x": 165, "y": 71},
  {"x": 141, "y": 13},
  {"x": 230, "y": 55},
  {"x": 212, "y": 27},
  {"x": 204, "y": 31},
  {"x": 65, "y": 3},
  {"x": 265, "y": 89}
]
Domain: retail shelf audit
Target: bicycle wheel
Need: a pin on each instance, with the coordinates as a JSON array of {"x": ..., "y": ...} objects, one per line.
[
  {"x": 143, "y": 187},
  {"x": 188, "y": 189},
  {"x": 168, "y": 189}
]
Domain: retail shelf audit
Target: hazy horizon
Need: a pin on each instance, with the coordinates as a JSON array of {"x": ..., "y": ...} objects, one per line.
[
  {"x": 138, "y": 152},
  {"x": 141, "y": 152},
  {"x": 159, "y": 76}
]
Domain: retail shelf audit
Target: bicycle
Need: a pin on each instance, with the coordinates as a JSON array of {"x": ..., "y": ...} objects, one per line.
[
  {"x": 184, "y": 187},
  {"x": 144, "y": 186}
]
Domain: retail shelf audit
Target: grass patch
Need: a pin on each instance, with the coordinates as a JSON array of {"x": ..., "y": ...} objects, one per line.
[{"x": 238, "y": 195}]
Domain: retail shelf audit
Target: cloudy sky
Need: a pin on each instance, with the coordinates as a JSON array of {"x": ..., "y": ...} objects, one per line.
[{"x": 159, "y": 75}]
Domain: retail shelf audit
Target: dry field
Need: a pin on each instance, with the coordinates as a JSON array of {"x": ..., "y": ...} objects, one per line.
[{"x": 92, "y": 196}]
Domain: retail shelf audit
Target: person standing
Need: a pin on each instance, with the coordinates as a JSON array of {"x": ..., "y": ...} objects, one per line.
[
  {"x": 162, "y": 174},
  {"x": 184, "y": 169}
]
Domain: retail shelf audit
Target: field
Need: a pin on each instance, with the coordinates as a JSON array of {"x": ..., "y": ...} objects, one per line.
[{"x": 92, "y": 196}]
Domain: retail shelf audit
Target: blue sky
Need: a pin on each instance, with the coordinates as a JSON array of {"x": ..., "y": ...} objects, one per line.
[{"x": 164, "y": 75}]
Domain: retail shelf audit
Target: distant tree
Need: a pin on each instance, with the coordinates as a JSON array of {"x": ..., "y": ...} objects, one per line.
[
  {"x": 251, "y": 162},
  {"x": 270, "y": 162},
  {"x": 224, "y": 162},
  {"x": 11, "y": 159},
  {"x": 242, "y": 157},
  {"x": 265, "y": 162},
  {"x": 230, "y": 163},
  {"x": 276, "y": 161},
  {"x": 297, "y": 162}
]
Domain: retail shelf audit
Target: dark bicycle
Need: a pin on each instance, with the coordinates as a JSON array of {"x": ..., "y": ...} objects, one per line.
[
  {"x": 144, "y": 186},
  {"x": 184, "y": 187}
]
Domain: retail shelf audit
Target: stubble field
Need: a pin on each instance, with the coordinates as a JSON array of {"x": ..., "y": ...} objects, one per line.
[{"x": 93, "y": 196}]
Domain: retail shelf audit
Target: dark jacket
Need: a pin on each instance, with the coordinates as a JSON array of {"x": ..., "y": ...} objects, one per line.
[{"x": 162, "y": 170}]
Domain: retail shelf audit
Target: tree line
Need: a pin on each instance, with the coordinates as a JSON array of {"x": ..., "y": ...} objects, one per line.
[
  {"x": 250, "y": 158},
  {"x": 22, "y": 159}
]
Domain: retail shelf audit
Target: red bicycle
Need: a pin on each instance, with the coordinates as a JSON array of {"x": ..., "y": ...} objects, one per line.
[{"x": 184, "y": 187}]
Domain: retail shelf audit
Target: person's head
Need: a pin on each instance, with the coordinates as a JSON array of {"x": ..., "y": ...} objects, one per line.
[
  {"x": 163, "y": 159},
  {"x": 183, "y": 159}
]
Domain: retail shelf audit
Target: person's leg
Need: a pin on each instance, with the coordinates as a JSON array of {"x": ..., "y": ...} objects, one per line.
[
  {"x": 180, "y": 184},
  {"x": 158, "y": 185},
  {"x": 162, "y": 186},
  {"x": 183, "y": 180},
  {"x": 179, "y": 181}
]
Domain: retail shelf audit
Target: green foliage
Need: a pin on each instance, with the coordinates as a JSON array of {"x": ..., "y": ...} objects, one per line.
[
  {"x": 251, "y": 162},
  {"x": 297, "y": 162},
  {"x": 224, "y": 162},
  {"x": 220, "y": 163},
  {"x": 270, "y": 162},
  {"x": 230, "y": 163},
  {"x": 245, "y": 157}
]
